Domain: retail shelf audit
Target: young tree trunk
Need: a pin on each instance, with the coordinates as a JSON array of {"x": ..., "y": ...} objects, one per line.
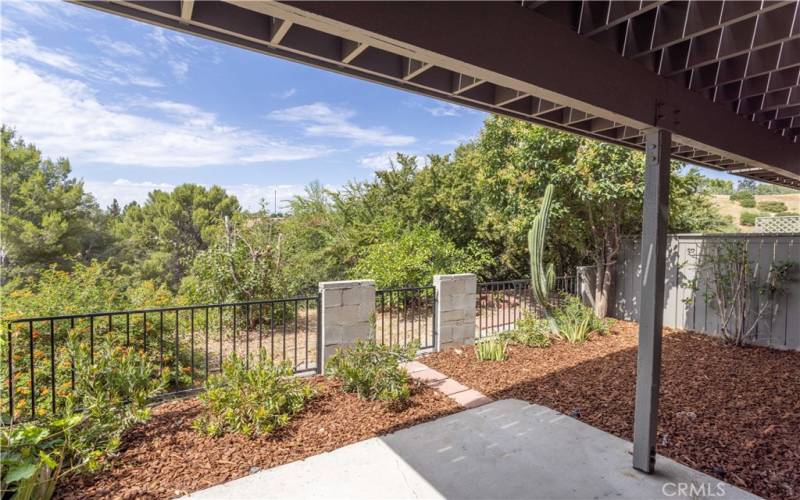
[
  {"x": 604, "y": 279},
  {"x": 605, "y": 268}
]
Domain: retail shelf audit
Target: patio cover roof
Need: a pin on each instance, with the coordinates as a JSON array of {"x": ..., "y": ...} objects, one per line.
[{"x": 723, "y": 77}]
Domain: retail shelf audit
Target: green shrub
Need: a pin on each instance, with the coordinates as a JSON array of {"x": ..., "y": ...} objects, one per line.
[
  {"x": 372, "y": 370},
  {"x": 748, "y": 218},
  {"x": 491, "y": 349},
  {"x": 788, "y": 214},
  {"x": 742, "y": 195},
  {"x": 748, "y": 203},
  {"x": 32, "y": 457},
  {"x": 576, "y": 321},
  {"x": 254, "y": 401},
  {"x": 529, "y": 331},
  {"x": 111, "y": 395},
  {"x": 772, "y": 206}
]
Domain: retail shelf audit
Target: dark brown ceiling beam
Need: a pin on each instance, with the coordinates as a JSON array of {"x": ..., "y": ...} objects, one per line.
[
  {"x": 749, "y": 16},
  {"x": 560, "y": 69},
  {"x": 323, "y": 48}
]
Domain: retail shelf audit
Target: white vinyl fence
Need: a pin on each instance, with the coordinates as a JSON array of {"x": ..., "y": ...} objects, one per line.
[{"x": 686, "y": 308}]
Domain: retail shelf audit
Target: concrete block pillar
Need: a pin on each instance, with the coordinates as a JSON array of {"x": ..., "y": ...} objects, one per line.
[
  {"x": 347, "y": 309},
  {"x": 455, "y": 309}
]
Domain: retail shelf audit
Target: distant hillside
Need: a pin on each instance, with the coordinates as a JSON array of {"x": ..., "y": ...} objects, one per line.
[{"x": 732, "y": 208}]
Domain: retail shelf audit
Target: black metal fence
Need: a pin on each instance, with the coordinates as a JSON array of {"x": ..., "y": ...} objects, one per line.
[
  {"x": 186, "y": 342},
  {"x": 403, "y": 315},
  {"x": 502, "y": 303}
]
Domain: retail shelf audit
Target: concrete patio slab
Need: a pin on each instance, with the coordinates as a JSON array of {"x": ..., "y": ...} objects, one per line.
[{"x": 505, "y": 449}]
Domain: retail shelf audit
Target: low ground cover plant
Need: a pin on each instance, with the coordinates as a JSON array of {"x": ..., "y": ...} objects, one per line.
[
  {"x": 494, "y": 349},
  {"x": 529, "y": 331},
  {"x": 772, "y": 206},
  {"x": 748, "y": 203},
  {"x": 253, "y": 401},
  {"x": 372, "y": 370},
  {"x": 749, "y": 218},
  {"x": 110, "y": 396},
  {"x": 576, "y": 321}
]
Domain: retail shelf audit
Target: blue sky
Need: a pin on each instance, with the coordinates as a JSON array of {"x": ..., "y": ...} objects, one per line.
[{"x": 135, "y": 107}]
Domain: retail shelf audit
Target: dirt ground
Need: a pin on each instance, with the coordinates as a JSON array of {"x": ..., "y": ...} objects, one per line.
[
  {"x": 165, "y": 458},
  {"x": 732, "y": 208},
  {"x": 732, "y": 412}
]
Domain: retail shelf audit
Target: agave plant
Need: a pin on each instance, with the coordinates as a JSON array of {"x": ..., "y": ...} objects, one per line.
[{"x": 543, "y": 277}]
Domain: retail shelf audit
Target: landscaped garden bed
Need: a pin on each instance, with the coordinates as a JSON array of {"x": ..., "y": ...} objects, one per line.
[
  {"x": 731, "y": 412},
  {"x": 166, "y": 457}
]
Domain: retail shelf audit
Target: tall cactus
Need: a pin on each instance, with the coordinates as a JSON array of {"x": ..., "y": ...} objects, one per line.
[{"x": 542, "y": 278}]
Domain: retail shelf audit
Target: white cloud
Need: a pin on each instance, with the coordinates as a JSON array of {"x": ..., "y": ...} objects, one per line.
[
  {"x": 115, "y": 47},
  {"x": 159, "y": 36},
  {"x": 179, "y": 68},
  {"x": 285, "y": 94},
  {"x": 388, "y": 160},
  {"x": 456, "y": 141},
  {"x": 438, "y": 108},
  {"x": 249, "y": 195},
  {"x": 444, "y": 109},
  {"x": 25, "y": 48},
  {"x": 65, "y": 118},
  {"x": 321, "y": 120},
  {"x": 123, "y": 190},
  {"x": 50, "y": 14},
  {"x": 380, "y": 161}
]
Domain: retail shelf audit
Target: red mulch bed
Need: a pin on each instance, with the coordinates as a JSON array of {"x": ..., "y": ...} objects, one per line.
[
  {"x": 731, "y": 412},
  {"x": 165, "y": 458}
]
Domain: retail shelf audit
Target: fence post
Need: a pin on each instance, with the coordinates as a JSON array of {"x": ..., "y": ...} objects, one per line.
[
  {"x": 455, "y": 309},
  {"x": 347, "y": 312}
]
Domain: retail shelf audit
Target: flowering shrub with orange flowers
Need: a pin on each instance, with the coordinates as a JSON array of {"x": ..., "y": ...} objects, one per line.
[
  {"x": 38, "y": 350},
  {"x": 111, "y": 395}
]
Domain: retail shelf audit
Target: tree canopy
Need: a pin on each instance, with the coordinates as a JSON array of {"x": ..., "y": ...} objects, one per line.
[
  {"x": 468, "y": 211},
  {"x": 47, "y": 217}
]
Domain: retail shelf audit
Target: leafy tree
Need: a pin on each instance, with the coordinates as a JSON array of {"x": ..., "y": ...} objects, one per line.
[
  {"x": 46, "y": 217},
  {"x": 160, "y": 238},
  {"x": 717, "y": 186},
  {"x": 412, "y": 258},
  {"x": 747, "y": 185},
  {"x": 242, "y": 263},
  {"x": 598, "y": 199},
  {"x": 316, "y": 248}
]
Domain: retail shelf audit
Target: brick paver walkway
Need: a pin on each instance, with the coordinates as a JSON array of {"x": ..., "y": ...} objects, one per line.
[{"x": 463, "y": 395}]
